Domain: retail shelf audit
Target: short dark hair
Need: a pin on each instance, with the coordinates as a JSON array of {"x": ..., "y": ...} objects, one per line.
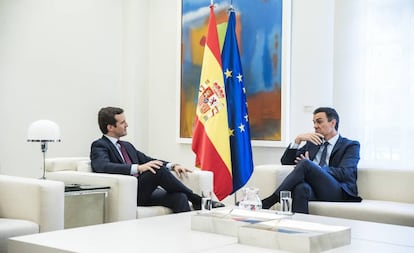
[
  {"x": 330, "y": 114},
  {"x": 106, "y": 116}
]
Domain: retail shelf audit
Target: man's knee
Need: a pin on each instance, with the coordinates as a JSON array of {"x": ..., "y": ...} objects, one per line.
[
  {"x": 304, "y": 165},
  {"x": 180, "y": 201}
]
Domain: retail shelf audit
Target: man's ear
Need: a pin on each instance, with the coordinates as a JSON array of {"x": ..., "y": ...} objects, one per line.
[
  {"x": 109, "y": 127},
  {"x": 333, "y": 122}
]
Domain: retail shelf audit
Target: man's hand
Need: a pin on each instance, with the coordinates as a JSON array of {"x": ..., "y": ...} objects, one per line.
[
  {"x": 151, "y": 166},
  {"x": 315, "y": 138},
  {"x": 302, "y": 157},
  {"x": 180, "y": 170}
]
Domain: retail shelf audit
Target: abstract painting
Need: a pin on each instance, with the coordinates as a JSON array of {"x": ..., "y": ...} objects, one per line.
[{"x": 263, "y": 33}]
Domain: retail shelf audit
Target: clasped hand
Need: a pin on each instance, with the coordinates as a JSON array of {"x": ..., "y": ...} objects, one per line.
[
  {"x": 302, "y": 157},
  {"x": 154, "y": 165},
  {"x": 151, "y": 166},
  {"x": 181, "y": 171},
  {"x": 315, "y": 138}
]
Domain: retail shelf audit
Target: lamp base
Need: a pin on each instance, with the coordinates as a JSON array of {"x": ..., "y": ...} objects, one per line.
[{"x": 43, "y": 146}]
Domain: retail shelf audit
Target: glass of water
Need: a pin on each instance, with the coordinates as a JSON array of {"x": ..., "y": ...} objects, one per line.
[
  {"x": 206, "y": 202},
  {"x": 285, "y": 202}
]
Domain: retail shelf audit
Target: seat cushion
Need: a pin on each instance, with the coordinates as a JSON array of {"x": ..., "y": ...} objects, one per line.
[
  {"x": 65, "y": 163},
  {"x": 12, "y": 227},
  {"x": 149, "y": 211},
  {"x": 369, "y": 210}
]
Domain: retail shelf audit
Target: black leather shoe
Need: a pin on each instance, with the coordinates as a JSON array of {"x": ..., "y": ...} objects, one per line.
[
  {"x": 216, "y": 204},
  {"x": 267, "y": 203},
  {"x": 196, "y": 205}
]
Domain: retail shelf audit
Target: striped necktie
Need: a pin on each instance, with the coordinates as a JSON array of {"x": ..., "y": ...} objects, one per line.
[{"x": 322, "y": 161}]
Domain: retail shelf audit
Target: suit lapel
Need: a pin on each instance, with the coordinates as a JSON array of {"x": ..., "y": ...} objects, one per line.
[
  {"x": 131, "y": 152},
  {"x": 113, "y": 149},
  {"x": 337, "y": 145}
]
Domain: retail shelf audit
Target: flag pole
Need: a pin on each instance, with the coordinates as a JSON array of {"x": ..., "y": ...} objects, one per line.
[{"x": 235, "y": 198}]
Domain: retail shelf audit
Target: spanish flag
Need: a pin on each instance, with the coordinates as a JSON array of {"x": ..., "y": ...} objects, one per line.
[{"x": 211, "y": 142}]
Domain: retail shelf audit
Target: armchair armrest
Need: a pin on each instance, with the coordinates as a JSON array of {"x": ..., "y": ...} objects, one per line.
[
  {"x": 39, "y": 201},
  {"x": 121, "y": 203},
  {"x": 267, "y": 178},
  {"x": 198, "y": 180}
]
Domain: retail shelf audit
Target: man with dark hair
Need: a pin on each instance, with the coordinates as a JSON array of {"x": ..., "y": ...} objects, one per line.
[
  {"x": 326, "y": 165},
  {"x": 110, "y": 155}
]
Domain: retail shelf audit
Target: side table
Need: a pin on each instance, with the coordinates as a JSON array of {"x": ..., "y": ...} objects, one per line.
[{"x": 84, "y": 205}]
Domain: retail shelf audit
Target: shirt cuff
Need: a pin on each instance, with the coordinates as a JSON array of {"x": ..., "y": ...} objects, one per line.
[
  {"x": 171, "y": 166},
  {"x": 134, "y": 169},
  {"x": 293, "y": 145}
]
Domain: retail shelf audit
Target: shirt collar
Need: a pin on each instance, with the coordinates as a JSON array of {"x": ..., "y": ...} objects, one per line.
[
  {"x": 332, "y": 141},
  {"x": 112, "y": 139}
]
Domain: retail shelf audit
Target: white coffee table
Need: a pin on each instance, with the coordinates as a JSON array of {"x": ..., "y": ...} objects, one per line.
[{"x": 172, "y": 233}]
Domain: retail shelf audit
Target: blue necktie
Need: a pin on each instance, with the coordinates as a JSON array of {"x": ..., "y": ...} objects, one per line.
[{"x": 322, "y": 161}]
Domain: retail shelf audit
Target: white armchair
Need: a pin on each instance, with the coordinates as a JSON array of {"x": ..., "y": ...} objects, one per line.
[
  {"x": 29, "y": 206},
  {"x": 121, "y": 202}
]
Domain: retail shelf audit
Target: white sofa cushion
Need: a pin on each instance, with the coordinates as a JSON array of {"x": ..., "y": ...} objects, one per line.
[
  {"x": 386, "y": 184},
  {"x": 66, "y": 163},
  {"x": 368, "y": 210},
  {"x": 14, "y": 227},
  {"x": 266, "y": 178},
  {"x": 84, "y": 166},
  {"x": 150, "y": 211}
]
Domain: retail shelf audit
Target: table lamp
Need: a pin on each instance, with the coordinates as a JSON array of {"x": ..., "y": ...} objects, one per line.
[{"x": 43, "y": 131}]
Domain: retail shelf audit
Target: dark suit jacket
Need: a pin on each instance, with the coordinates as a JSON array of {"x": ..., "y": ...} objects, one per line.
[
  {"x": 105, "y": 158},
  {"x": 343, "y": 162}
]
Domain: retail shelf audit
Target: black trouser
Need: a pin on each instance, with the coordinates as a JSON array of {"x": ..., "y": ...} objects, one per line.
[{"x": 174, "y": 194}]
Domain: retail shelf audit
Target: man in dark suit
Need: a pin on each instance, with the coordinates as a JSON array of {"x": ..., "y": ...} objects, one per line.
[
  {"x": 326, "y": 165},
  {"x": 110, "y": 155}
]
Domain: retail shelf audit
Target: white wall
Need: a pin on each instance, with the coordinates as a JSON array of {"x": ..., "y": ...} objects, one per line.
[
  {"x": 59, "y": 60},
  {"x": 63, "y": 60}
]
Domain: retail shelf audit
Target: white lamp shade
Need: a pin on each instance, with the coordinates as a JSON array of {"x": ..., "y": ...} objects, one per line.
[{"x": 43, "y": 131}]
